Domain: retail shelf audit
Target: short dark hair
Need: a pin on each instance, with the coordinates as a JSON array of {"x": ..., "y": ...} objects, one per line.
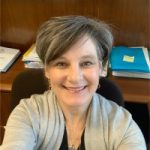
[{"x": 58, "y": 34}]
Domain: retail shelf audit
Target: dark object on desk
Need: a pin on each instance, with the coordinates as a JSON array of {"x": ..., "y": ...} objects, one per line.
[{"x": 33, "y": 81}]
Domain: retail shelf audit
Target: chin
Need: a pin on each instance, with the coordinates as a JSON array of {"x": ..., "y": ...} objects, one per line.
[{"x": 77, "y": 102}]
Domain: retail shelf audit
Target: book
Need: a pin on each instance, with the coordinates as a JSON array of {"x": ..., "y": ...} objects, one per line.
[
  {"x": 131, "y": 74},
  {"x": 130, "y": 68},
  {"x": 31, "y": 59},
  {"x": 7, "y": 57},
  {"x": 129, "y": 59},
  {"x": 31, "y": 55}
]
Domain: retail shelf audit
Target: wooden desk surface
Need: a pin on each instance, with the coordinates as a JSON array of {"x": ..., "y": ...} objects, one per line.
[{"x": 134, "y": 90}]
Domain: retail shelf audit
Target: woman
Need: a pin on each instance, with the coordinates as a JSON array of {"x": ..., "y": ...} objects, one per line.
[{"x": 71, "y": 115}]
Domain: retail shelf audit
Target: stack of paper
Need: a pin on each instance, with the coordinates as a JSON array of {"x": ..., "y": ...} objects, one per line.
[
  {"x": 7, "y": 57},
  {"x": 130, "y": 62},
  {"x": 31, "y": 59}
]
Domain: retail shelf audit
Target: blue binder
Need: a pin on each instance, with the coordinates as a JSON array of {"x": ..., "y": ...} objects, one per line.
[{"x": 128, "y": 59}]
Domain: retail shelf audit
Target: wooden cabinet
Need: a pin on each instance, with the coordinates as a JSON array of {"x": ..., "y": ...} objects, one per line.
[{"x": 129, "y": 19}]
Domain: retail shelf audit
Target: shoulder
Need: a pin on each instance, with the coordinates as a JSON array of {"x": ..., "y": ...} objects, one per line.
[
  {"x": 31, "y": 112},
  {"x": 31, "y": 119},
  {"x": 118, "y": 122},
  {"x": 32, "y": 108},
  {"x": 36, "y": 100},
  {"x": 110, "y": 107},
  {"x": 113, "y": 113}
]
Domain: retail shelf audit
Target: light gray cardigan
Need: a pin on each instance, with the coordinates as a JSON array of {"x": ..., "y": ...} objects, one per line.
[{"x": 38, "y": 124}]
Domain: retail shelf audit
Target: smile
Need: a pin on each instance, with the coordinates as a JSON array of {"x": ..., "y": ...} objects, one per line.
[{"x": 75, "y": 89}]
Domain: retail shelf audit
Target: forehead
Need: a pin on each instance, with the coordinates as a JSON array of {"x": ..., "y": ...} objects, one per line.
[{"x": 84, "y": 46}]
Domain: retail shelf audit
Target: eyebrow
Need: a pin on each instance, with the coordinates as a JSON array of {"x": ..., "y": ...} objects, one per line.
[
  {"x": 83, "y": 57},
  {"x": 88, "y": 57}
]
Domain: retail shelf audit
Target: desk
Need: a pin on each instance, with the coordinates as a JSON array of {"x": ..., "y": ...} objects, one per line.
[{"x": 134, "y": 90}]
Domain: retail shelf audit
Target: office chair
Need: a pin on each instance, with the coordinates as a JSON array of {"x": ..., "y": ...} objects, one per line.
[{"x": 33, "y": 81}]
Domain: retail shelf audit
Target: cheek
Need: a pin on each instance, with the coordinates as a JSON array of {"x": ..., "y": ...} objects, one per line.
[
  {"x": 93, "y": 76},
  {"x": 56, "y": 78},
  {"x": 52, "y": 75}
]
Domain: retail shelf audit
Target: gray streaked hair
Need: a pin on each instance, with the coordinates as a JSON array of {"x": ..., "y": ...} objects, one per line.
[{"x": 58, "y": 34}]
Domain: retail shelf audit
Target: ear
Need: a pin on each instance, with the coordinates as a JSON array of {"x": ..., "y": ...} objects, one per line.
[
  {"x": 46, "y": 70},
  {"x": 100, "y": 68}
]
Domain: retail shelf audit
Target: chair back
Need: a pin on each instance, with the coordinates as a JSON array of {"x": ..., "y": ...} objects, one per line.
[{"x": 33, "y": 81}]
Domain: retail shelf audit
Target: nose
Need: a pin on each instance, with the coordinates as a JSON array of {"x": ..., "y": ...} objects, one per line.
[{"x": 75, "y": 74}]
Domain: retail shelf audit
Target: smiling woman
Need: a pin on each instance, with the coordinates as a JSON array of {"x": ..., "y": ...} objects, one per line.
[
  {"x": 75, "y": 74},
  {"x": 71, "y": 115}
]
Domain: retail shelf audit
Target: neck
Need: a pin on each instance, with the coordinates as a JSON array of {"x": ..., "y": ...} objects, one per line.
[
  {"x": 75, "y": 115},
  {"x": 75, "y": 123},
  {"x": 75, "y": 126}
]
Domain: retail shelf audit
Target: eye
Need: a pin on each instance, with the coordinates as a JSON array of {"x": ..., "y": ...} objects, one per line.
[
  {"x": 61, "y": 64},
  {"x": 87, "y": 64}
]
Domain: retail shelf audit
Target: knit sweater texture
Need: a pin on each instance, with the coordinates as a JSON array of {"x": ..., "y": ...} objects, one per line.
[{"x": 38, "y": 123}]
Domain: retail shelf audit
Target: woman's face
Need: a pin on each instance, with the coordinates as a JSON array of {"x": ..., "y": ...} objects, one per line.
[{"x": 74, "y": 76}]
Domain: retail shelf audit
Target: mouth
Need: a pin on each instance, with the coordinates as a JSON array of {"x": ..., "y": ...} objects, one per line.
[{"x": 75, "y": 89}]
